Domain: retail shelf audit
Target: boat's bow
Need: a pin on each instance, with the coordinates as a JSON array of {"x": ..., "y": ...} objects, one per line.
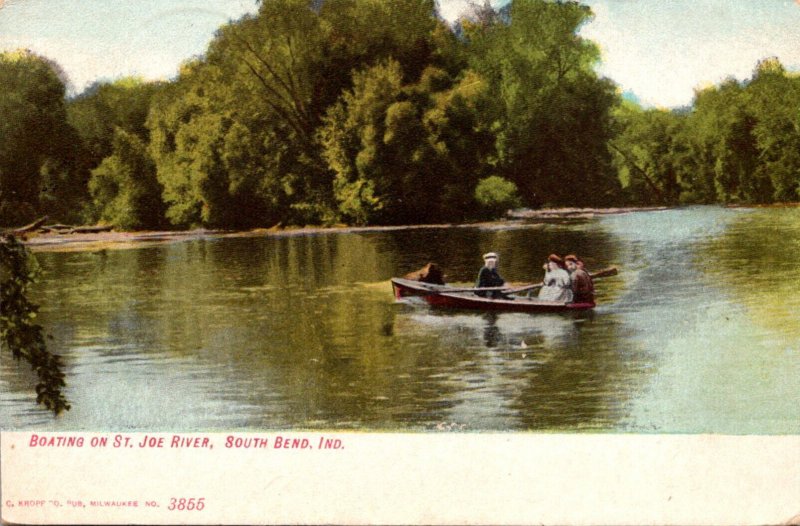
[{"x": 406, "y": 287}]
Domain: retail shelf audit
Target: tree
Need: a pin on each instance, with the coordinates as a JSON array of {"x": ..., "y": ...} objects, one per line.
[
  {"x": 463, "y": 141},
  {"x": 551, "y": 115},
  {"x": 103, "y": 107},
  {"x": 722, "y": 124},
  {"x": 406, "y": 152},
  {"x": 124, "y": 188},
  {"x": 353, "y": 142},
  {"x": 271, "y": 78},
  {"x": 651, "y": 153},
  {"x": 774, "y": 100},
  {"x": 221, "y": 162},
  {"x": 37, "y": 146}
]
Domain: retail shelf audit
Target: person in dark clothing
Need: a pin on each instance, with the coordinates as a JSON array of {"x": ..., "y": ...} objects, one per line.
[
  {"x": 582, "y": 286},
  {"x": 489, "y": 277},
  {"x": 430, "y": 273}
]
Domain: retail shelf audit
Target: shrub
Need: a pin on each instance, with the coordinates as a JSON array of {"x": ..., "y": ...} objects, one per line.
[{"x": 496, "y": 195}]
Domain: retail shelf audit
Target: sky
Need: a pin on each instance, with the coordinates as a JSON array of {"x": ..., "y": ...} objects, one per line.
[
  {"x": 657, "y": 51},
  {"x": 106, "y": 39},
  {"x": 661, "y": 50}
]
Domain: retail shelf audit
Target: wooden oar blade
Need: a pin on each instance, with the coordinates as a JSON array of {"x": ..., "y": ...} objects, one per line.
[{"x": 610, "y": 271}]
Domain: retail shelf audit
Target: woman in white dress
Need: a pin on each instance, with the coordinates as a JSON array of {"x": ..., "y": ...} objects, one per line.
[{"x": 557, "y": 284}]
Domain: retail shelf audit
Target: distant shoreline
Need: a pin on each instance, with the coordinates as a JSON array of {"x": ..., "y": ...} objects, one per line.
[
  {"x": 564, "y": 213},
  {"x": 766, "y": 205},
  {"x": 95, "y": 241}
]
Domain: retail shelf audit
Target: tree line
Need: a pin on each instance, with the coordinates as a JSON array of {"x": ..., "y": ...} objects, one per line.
[
  {"x": 738, "y": 143},
  {"x": 364, "y": 112}
]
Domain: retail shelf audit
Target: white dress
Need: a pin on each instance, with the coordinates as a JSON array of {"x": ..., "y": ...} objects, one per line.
[{"x": 557, "y": 286}]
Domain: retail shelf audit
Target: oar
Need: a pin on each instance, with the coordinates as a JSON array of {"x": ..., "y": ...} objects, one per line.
[
  {"x": 606, "y": 272},
  {"x": 448, "y": 290},
  {"x": 611, "y": 271}
]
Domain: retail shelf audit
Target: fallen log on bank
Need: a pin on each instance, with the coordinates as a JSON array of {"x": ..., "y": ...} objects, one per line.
[
  {"x": 73, "y": 229},
  {"x": 24, "y": 229},
  {"x": 91, "y": 229},
  {"x": 55, "y": 228}
]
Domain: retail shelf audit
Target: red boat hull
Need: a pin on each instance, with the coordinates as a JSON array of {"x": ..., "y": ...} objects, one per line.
[{"x": 438, "y": 296}]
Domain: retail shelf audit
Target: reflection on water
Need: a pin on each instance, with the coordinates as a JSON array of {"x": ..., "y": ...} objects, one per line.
[{"x": 694, "y": 335}]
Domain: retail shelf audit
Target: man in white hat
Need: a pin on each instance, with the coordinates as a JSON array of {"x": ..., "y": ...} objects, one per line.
[{"x": 488, "y": 277}]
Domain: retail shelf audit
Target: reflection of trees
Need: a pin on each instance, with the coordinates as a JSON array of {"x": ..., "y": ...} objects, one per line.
[
  {"x": 74, "y": 286},
  {"x": 81, "y": 291},
  {"x": 531, "y": 372},
  {"x": 583, "y": 382},
  {"x": 83, "y": 294},
  {"x": 313, "y": 342},
  {"x": 522, "y": 249},
  {"x": 277, "y": 323},
  {"x": 755, "y": 261},
  {"x": 302, "y": 331}
]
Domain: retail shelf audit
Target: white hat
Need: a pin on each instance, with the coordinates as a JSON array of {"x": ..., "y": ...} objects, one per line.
[{"x": 490, "y": 255}]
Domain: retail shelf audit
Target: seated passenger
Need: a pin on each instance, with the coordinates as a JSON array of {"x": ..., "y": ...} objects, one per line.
[
  {"x": 557, "y": 285},
  {"x": 488, "y": 277},
  {"x": 582, "y": 286},
  {"x": 430, "y": 273}
]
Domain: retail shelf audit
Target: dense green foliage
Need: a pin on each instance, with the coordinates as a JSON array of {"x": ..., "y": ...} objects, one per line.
[
  {"x": 405, "y": 153},
  {"x": 102, "y": 108},
  {"x": 365, "y": 112},
  {"x": 739, "y": 143},
  {"x": 124, "y": 189},
  {"x": 18, "y": 331},
  {"x": 550, "y": 112},
  {"x": 496, "y": 195},
  {"x": 37, "y": 147}
]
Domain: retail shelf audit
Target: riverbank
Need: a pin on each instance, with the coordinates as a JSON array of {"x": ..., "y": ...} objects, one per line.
[
  {"x": 578, "y": 213},
  {"x": 91, "y": 241}
]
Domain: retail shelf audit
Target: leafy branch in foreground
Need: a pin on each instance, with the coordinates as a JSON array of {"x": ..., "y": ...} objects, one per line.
[{"x": 18, "y": 330}]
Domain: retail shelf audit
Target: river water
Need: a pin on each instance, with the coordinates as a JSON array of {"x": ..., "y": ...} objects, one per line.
[{"x": 699, "y": 333}]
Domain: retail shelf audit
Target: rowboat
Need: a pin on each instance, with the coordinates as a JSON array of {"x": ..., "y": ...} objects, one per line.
[{"x": 446, "y": 296}]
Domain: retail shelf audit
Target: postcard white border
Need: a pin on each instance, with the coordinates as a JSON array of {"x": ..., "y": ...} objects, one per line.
[{"x": 422, "y": 478}]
